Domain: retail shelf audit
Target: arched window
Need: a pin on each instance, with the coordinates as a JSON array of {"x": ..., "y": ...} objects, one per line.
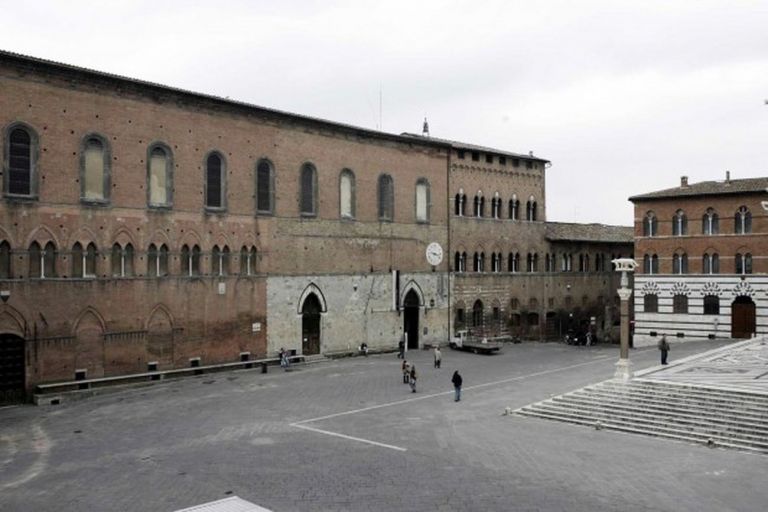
[
  {"x": 35, "y": 260},
  {"x": 477, "y": 314},
  {"x": 422, "y": 200},
  {"x": 476, "y": 262},
  {"x": 711, "y": 305},
  {"x": 308, "y": 193},
  {"x": 90, "y": 260},
  {"x": 479, "y": 262},
  {"x": 495, "y": 262},
  {"x": 463, "y": 261},
  {"x": 496, "y": 206},
  {"x": 20, "y": 162},
  {"x": 529, "y": 262},
  {"x": 460, "y": 204},
  {"x": 152, "y": 261},
  {"x": 190, "y": 260},
  {"x": 679, "y": 224},
  {"x": 711, "y": 263},
  {"x": 514, "y": 208},
  {"x": 479, "y": 205},
  {"x": 680, "y": 263},
  {"x": 122, "y": 260},
  {"x": 94, "y": 174},
  {"x": 650, "y": 303},
  {"x": 650, "y": 224},
  {"x": 49, "y": 260},
  {"x": 248, "y": 261},
  {"x": 651, "y": 264},
  {"x": 530, "y": 209},
  {"x": 457, "y": 262},
  {"x": 743, "y": 263},
  {"x": 743, "y": 221},
  {"x": 160, "y": 176},
  {"x": 347, "y": 194},
  {"x": 265, "y": 186},
  {"x": 78, "y": 260},
  {"x": 220, "y": 261},
  {"x": 215, "y": 182},
  {"x": 5, "y": 260},
  {"x": 710, "y": 222},
  {"x": 386, "y": 198},
  {"x": 513, "y": 262},
  {"x": 680, "y": 304},
  {"x": 157, "y": 260}
]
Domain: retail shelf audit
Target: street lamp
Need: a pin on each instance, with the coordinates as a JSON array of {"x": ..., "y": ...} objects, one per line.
[{"x": 624, "y": 265}]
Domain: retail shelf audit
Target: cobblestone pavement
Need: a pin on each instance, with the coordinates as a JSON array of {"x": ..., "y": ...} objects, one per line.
[
  {"x": 195, "y": 440},
  {"x": 742, "y": 366}
]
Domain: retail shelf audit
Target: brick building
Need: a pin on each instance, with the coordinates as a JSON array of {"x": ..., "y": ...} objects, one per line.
[
  {"x": 703, "y": 266},
  {"x": 146, "y": 227}
]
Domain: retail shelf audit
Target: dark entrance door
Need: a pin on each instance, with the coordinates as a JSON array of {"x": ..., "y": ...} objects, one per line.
[
  {"x": 310, "y": 325},
  {"x": 411, "y": 319},
  {"x": 11, "y": 369},
  {"x": 742, "y": 317}
]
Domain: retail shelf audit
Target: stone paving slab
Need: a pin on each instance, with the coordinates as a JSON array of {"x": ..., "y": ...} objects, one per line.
[
  {"x": 196, "y": 440},
  {"x": 742, "y": 366}
]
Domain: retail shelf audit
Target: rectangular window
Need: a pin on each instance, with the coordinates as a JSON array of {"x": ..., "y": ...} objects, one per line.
[
  {"x": 502, "y": 160},
  {"x": 157, "y": 179},
  {"x": 461, "y": 154},
  {"x": 94, "y": 173},
  {"x": 421, "y": 202},
  {"x": 489, "y": 159},
  {"x": 475, "y": 156}
]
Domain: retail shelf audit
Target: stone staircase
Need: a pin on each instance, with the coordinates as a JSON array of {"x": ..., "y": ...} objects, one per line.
[{"x": 713, "y": 416}]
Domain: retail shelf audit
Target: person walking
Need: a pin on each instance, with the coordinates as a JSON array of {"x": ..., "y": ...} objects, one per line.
[
  {"x": 664, "y": 347},
  {"x": 284, "y": 361},
  {"x": 406, "y": 368},
  {"x": 412, "y": 379},
  {"x": 438, "y": 357},
  {"x": 401, "y": 348},
  {"x": 457, "y": 382}
]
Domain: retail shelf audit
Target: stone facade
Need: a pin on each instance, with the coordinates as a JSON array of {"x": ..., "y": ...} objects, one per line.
[{"x": 144, "y": 227}]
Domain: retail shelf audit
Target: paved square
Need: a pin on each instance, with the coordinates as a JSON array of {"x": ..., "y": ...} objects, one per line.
[{"x": 348, "y": 435}]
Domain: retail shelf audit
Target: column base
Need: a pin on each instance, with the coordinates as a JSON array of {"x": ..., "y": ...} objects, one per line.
[{"x": 623, "y": 370}]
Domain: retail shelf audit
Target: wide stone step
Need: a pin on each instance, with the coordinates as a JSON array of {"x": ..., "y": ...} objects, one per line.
[
  {"x": 681, "y": 390},
  {"x": 729, "y": 428},
  {"x": 669, "y": 433},
  {"x": 729, "y": 408}
]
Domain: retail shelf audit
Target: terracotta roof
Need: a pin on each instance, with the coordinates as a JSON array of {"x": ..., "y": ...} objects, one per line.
[
  {"x": 709, "y": 188},
  {"x": 603, "y": 233},
  {"x": 474, "y": 147}
]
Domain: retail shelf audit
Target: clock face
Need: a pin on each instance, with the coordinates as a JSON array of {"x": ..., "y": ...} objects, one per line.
[{"x": 434, "y": 254}]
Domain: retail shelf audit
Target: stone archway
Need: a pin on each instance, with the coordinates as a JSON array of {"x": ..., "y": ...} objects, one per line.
[
  {"x": 12, "y": 369},
  {"x": 743, "y": 317},
  {"x": 411, "y": 318}
]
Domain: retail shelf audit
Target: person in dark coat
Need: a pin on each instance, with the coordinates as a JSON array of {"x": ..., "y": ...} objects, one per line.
[
  {"x": 412, "y": 380},
  {"x": 664, "y": 347},
  {"x": 401, "y": 348},
  {"x": 406, "y": 368},
  {"x": 457, "y": 382}
]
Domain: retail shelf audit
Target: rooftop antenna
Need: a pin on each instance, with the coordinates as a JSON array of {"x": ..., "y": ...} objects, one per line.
[{"x": 425, "y": 128}]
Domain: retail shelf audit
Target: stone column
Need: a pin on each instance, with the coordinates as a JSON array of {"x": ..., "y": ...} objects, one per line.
[{"x": 624, "y": 265}]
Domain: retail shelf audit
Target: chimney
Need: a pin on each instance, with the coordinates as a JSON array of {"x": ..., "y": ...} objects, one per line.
[
  {"x": 727, "y": 176},
  {"x": 683, "y": 181}
]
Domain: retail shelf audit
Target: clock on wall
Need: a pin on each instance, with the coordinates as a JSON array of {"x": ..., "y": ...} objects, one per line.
[{"x": 434, "y": 254}]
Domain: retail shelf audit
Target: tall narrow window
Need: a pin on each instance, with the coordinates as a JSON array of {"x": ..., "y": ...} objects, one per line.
[
  {"x": 460, "y": 204},
  {"x": 650, "y": 224},
  {"x": 89, "y": 260},
  {"x": 21, "y": 162},
  {"x": 479, "y": 204},
  {"x": 710, "y": 222},
  {"x": 650, "y": 303},
  {"x": 530, "y": 209},
  {"x": 680, "y": 263},
  {"x": 477, "y": 314},
  {"x": 422, "y": 200},
  {"x": 679, "y": 224},
  {"x": 49, "y": 260},
  {"x": 711, "y": 263},
  {"x": 743, "y": 263},
  {"x": 308, "y": 193},
  {"x": 186, "y": 260},
  {"x": 743, "y": 221},
  {"x": 35, "y": 255},
  {"x": 78, "y": 260},
  {"x": 386, "y": 198},
  {"x": 162, "y": 261},
  {"x": 711, "y": 305},
  {"x": 160, "y": 176},
  {"x": 264, "y": 187},
  {"x": 94, "y": 177},
  {"x": 220, "y": 261},
  {"x": 496, "y": 207},
  {"x": 347, "y": 194},
  {"x": 214, "y": 181},
  {"x": 122, "y": 260},
  {"x": 680, "y": 304},
  {"x": 514, "y": 208},
  {"x": 651, "y": 264},
  {"x": 152, "y": 261},
  {"x": 247, "y": 261},
  {"x": 5, "y": 260}
]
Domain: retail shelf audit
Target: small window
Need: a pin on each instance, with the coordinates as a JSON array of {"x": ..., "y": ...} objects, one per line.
[
  {"x": 122, "y": 260},
  {"x": 710, "y": 222},
  {"x": 489, "y": 159},
  {"x": 528, "y": 164},
  {"x": 502, "y": 160},
  {"x": 711, "y": 263},
  {"x": 215, "y": 190},
  {"x": 743, "y": 221},
  {"x": 680, "y": 304},
  {"x": 77, "y": 260},
  {"x": 386, "y": 196},
  {"x": 514, "y": 208},
  {"x": 90, "y": 262},
  {"x": 265, "y": 185},
  {"x": 515, "y": 162},
  {"x": 220, "y": 261},
  {"x": 680, "y": 263},
  {"x": 461, "y": 154},
  {"x": 248, "y": 261},
  {"x": 475, "y": 156},
  {"x": 95, "y": 176},
  {"x": 190, "y": 260},
  {"x": 35, "y": 260},
  {"x": 460, "y": 319},
  {"x": 711, "y": 305},
  {"x": 679, "y": 224},
  {"x": 743, "y": 263},
  {"x": 530, "y": 209},
  {"x": 422, "y": 200},
  {"x": 460, "y": 205},
  {"x": 514, "y": 303},
  {"x": 650, "y": 224},
  {"x": 651, "y": 303}
]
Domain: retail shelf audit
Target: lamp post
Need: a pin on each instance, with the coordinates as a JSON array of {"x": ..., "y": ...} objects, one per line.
[{"x": 624, "y": 265}]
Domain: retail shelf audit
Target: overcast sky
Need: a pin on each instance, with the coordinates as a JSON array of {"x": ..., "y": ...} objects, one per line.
[{"x": 622, "y": 97}]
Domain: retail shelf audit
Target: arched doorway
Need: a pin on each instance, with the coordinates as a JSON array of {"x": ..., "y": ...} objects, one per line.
[
  {"x": 743, "y": 322},
  {"x": 478, "y": 318},
  {"x": 11, "y": 369},
  {"x": 310, "y": 325},
  {"x": 411, "y": 318}
]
